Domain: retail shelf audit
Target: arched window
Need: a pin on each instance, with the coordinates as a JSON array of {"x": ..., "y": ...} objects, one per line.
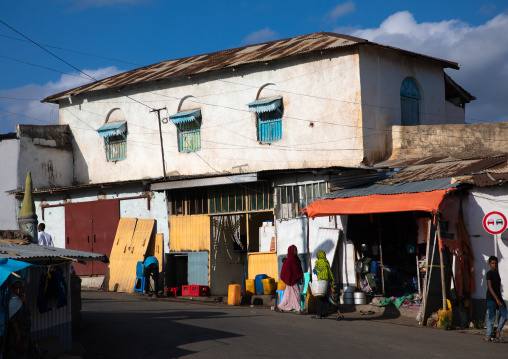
[{"x": 409, "y": 103}]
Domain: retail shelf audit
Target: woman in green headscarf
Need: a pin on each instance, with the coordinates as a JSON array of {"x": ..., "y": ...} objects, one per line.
[{"x": 326, "y": 305}]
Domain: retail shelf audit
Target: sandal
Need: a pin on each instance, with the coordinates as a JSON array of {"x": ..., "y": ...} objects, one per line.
[
  {"x": 489, "y": 340},
  {"x": 340, "y": 317},
  {"x": 500, "y": 339}
]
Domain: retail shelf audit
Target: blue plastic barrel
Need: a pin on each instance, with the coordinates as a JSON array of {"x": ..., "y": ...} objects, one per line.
[
  {"x": 259, "y": 283},
  {"x": 140, "y": 269},
  {"x": 373, "y": 268}
]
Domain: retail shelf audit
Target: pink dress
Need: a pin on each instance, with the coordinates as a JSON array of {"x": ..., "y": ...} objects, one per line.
[{"x": 291, "y": 298}]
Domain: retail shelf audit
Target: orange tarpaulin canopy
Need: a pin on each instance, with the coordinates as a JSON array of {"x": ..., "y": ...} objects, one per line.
[{"x": 377, "y": 203}]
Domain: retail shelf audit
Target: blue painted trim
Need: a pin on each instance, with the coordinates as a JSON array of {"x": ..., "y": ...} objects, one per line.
[
  {"x": 262, "y": 106},
  {"x": 185, "y": 116},
  {"x": 113, "y": 129}
]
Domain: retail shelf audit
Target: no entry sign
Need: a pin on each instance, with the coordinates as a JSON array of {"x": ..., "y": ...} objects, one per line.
[{"x": 494, "y": 222}]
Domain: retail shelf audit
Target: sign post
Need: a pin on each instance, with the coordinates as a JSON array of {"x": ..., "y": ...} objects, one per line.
[{"x": 495, "y": 223}]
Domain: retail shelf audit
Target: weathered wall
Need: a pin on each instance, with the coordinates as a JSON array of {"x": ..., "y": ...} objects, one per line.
[
  {"x": 317, "y": 90},
  {"x": 9, "y": 154},
  {"x": 480, "y": 202},
  {"x": 54, "y": 217},
  {"x": 381, "y": 74},
  {"x": 450, "y": 140},
  {"x": 46, "y": 152}
]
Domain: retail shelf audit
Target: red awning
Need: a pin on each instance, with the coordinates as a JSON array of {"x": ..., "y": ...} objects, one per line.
[{"x": 377, "y": 203}]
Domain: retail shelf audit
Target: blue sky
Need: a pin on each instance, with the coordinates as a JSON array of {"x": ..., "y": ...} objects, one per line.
[{"x": 126, "y": 34}]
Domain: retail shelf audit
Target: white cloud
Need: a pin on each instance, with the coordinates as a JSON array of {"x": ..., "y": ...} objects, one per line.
[
  {"x": 480, "y": 50},
  {"x": 262, "y": 35},
  {"x": 22, "y": 105},
  {"x": 340, "y": 10}
]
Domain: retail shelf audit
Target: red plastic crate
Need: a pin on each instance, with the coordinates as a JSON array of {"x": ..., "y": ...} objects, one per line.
[
  {"x": 186, "y": 291},
  {"x": 200, "y": 290}
]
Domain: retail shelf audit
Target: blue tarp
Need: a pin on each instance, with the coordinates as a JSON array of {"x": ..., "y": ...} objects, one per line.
[
  {"x": 185, "y": 116},
  {"x": 261, "y": 106},
  {"x": 113, "y": 129},
  {"x": 7, "y": 266}
]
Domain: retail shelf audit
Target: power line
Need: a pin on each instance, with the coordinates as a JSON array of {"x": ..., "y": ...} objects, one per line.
[{"x": 76, "y": 52}]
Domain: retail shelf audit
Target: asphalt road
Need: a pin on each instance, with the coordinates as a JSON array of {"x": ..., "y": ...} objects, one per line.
[{"x": 122, "y": 325}]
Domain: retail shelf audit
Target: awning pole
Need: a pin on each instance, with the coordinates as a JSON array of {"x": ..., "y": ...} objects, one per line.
[
  {"x": 308, "y": 249},
  {"x": 381, "y": 255},
  {"x": 443, "y": 289}
]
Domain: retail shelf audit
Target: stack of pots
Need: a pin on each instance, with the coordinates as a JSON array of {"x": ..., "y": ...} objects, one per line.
[{"x": 353, "y": 297}]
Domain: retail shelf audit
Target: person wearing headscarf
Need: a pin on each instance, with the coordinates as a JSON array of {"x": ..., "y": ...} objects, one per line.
[
  {"x": 19, "y": 324},
  {"x": 326, "y": 305},
  {"x": 291, "y": 274}
]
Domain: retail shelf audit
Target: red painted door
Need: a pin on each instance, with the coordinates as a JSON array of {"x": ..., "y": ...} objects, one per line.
[
  {"x": 78, "y": 230},
  {"x": 91, "y": 227},
  {"x": 105, "y": 218}
]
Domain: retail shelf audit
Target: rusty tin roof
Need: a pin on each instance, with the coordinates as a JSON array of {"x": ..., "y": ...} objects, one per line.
[
  {"x": 232, "y": 58},
  {"x": 482, "y": 172}
]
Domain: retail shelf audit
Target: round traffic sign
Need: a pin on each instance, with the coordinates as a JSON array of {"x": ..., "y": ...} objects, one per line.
[{"x": 494, "y": 222}]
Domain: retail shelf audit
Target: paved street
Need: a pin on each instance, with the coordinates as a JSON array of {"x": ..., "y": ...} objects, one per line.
[{"x": 132, "y": 326}]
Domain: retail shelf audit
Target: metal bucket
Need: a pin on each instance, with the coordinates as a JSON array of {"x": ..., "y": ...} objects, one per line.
[
  {"x": 349, "y": 289},
  {"x": 349, "y": 298},
  {"x": 360, "y": 298}
]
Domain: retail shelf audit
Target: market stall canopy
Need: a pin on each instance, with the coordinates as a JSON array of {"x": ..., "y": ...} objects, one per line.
[
  {"x": 34, "y": 253},
  {"x": 7, "y": 266},
  {"x": 416, "y": 196}
]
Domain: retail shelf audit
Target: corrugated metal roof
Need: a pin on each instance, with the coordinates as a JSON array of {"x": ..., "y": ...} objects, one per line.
[
  {"x": 258, "y": 53},
  {"x": 36, "y": 253},
  {"x": 489, "y": 171},
  {"x": 396, "y": 188}
]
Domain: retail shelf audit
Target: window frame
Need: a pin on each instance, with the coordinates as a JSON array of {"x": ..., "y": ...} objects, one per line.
[{"x": 114, "y": 140}]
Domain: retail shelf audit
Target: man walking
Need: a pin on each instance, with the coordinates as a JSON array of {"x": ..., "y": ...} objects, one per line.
[
  {"x": 44, "y": 238},
  {"x": 494, "y": 302}
]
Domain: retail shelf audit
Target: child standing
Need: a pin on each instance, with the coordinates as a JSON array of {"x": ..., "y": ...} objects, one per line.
[{"x": 494, "y": 302}]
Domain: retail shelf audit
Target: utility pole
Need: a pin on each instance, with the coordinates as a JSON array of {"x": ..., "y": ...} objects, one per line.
[{"x": 160, "y": 134}]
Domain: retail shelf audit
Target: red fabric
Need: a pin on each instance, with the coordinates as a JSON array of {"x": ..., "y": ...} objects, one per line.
[
  {"x": 291, "y": 271},
  {"x": 377, "y": 203}
]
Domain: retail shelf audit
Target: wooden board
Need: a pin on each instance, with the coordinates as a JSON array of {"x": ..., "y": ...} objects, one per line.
[
  {"x": 123, "y": 269},
  {"x": 122, "y": 240}
]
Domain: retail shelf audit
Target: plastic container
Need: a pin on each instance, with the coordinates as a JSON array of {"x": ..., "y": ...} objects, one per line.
[
  {"x": 373, "y": 267},
  {"x": 349, "y": 298},
  {"x": 280, "y": 294},
  {"x": 234, "y": 294},
  {"x": 360, "y": 298},
  {"x": 281, "y": 285},
  {"x": 259, "y": 283},
  {"x": 269, "y": 286},
  {"x": 200, "y": 290},
  {"x": 250, "y": 287},
  {"x": 140, "y": 269},
  {"x": 445, "y": 316},
  {"x": 319, "y": 288},
  {"x": 186, "y": 291}
]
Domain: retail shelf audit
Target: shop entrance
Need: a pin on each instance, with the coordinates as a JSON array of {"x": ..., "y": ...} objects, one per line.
[{"x": 389, "y": 250}]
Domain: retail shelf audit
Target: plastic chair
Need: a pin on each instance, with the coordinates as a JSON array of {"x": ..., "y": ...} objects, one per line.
[
  {"x": 139, "y": 284},
  {"x": 303, "y": 292}
]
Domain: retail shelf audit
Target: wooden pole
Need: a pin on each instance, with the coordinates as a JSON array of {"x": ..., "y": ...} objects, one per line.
[
  {"x": 381, "y": 256},
  {"x": 308, "y": 249},
  {"x": 443, "y": 288}
]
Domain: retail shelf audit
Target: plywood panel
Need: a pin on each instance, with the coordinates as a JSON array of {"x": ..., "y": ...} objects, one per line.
[
  {"x": 136, "y": 252},
  {"x": 122, "y": 241},
  {"x": 189, "y": 233},
  {"x": 262, "y": 263}
]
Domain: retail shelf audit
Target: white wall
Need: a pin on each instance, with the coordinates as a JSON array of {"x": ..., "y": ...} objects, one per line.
[
  {"x": 9, "y": 153},
  {"x": 382, "y": 72},
  {"x": 229, "y": 130},
  {"x": 481, "y": 201}
]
